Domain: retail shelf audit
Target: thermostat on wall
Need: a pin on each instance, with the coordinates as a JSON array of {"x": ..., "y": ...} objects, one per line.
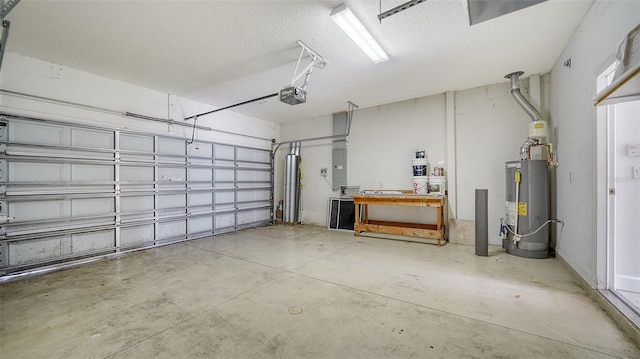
[{"x": 633, "y": 150}]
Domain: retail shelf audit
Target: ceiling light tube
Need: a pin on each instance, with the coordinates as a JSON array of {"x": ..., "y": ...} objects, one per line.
[{"x": 356, "y": 31}]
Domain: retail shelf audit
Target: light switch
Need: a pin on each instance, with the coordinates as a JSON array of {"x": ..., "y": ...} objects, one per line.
[{"x": 633, "y": 150}]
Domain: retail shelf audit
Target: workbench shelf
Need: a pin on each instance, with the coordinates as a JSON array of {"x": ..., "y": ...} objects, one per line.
[{"x": 400, "y": 198}]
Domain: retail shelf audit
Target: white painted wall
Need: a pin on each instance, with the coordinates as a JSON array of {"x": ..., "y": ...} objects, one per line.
[
  {"x": 574, "y": 119},
  {"x": 490, "y": 128},
  {"x": 315, "y": 155},
  {"x": 36, "y": 77},
  {"x": 383, "y": 142}
]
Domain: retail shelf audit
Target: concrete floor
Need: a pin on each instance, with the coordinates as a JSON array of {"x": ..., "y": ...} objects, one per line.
[{"x": 306, "y": 292}]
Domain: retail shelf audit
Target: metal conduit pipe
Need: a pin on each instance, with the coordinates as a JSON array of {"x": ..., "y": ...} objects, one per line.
[
  {"x": 352, "y": 107},
  {"x": 535, "y": 115},
  {"x": 520, "y": 99},
  {"x": 278, "y": 144}
]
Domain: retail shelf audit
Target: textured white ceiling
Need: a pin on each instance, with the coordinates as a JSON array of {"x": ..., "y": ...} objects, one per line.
[{"x": 225, "y": 52}]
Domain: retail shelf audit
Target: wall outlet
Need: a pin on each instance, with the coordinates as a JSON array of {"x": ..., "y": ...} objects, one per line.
[{"x": 323, "y": 172}]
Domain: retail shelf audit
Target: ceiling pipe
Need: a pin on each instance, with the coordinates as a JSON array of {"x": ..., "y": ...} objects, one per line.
[{"x": 523, "y": 102}]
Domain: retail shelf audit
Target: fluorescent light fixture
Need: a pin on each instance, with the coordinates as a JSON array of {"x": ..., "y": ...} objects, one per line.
[{"x": 350, "y": 24}]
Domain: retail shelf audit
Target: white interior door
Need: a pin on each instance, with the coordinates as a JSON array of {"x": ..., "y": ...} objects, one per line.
[{"x": 624, "y": 170}]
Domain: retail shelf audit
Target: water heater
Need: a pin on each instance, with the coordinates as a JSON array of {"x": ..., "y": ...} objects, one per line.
[{"x": 527, "y": 208}]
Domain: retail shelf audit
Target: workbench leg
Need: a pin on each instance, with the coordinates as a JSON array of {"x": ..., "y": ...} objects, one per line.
[
  {"x": 439, "y": 225},
  {"x": 355, "y": 226}
]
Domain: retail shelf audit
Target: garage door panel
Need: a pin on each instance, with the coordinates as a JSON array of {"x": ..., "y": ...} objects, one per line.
[
  {"x": 254, "y": 176},
  {"x": 92, "y": 241},
  {"x": 81, "y": 137},
  {"x": 43, "y": 134},
  {"x": 253, "y": 155},
  {"x": 92, "y": 206},
  {"x": 225, "y": 220},
  {"x": 129, "y": 159},
  {"x": 224, "y": 175},
  {"x": 172, "y": 201},
  {"x": 224, "y": 152},
  {"x": 171, "y": 147},
  {"x": 88, "y": 173},
  {"x": 201, "y": 199},
  {"x": 200, "y": 149},
  {"x": 138, "y": 143},
  {"x": 253, "y": 216},
  {"x": 168, "y": 174},
  {"x": 200, "y": 224},
  {"x": 132, "y": 236},
  {"x": 224, "y": 197},
  {"x": 130, "y": 173},
  {"x": 136, "y": 204},
  {"x": 40, "y": 249},
  {"x": 38, "y": 172},
  {"x": 39, "y": 210},
  {"x": 200, "y": 174},
  {"x": 253, "y": 195},
  {"x": 172, "y": 229},
  {"x": 72, "y": 198}
]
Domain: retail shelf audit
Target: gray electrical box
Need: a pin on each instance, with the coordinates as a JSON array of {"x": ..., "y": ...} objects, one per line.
[{"x": 339, "y": 150}]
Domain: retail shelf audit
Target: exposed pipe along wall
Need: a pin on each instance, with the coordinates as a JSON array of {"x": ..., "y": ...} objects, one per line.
[
  {"x": 525, "y": 229},
  {"x": 291, "y": 211},
  {"x": 291, "y": 207}
]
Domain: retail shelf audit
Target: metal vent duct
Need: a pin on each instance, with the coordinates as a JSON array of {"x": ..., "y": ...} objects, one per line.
[
  {"x": 483, "y": 10},
  {"x": 520, "y": 99},
  {"x": 291, "y": 206}
]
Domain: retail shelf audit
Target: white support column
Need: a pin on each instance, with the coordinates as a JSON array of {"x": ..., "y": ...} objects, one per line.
[{"x": 451, "y": 155}]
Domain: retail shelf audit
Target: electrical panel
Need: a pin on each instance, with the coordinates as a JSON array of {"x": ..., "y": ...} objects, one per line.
[{"x": 339, "y": 150}]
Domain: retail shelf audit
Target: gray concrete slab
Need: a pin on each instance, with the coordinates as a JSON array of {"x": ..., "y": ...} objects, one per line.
[{"x": 306, "y": 292}]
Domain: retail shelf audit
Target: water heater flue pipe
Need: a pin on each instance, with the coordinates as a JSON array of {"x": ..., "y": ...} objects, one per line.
[
  {"x": 520, "y": 99},
  {"x": 525, "y": 153}
]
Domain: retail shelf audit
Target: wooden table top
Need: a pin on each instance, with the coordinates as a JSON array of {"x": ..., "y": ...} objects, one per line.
[{"x": 406, "y": 197}]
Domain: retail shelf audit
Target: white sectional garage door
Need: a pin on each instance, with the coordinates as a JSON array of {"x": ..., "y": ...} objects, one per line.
[{"x": 70, "y": 192}]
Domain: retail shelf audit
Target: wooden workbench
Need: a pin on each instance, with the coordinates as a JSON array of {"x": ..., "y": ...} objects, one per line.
[{"x": 407, "y": 198}]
